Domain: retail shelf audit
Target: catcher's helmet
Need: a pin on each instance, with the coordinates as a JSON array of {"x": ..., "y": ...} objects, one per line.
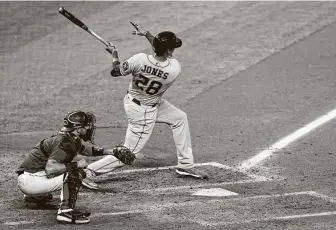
[
  {"x": 76, "y": 119},
  {"x": 81, "y": 119},
  {"x": 165, "y": 40}
]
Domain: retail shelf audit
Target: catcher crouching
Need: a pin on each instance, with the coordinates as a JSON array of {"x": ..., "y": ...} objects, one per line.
[{"x": 58, "y": 163}]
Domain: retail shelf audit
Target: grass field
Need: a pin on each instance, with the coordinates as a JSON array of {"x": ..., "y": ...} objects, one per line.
[{"x": 252, "y": 72}]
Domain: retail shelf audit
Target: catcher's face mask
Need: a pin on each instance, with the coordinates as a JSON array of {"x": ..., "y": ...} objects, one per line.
[
  {"x": 81, "y": 120},
  {"x": 90, "y": 128}
]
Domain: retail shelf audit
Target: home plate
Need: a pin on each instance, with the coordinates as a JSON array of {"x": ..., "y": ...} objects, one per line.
[{"x": 214, "y": 192}]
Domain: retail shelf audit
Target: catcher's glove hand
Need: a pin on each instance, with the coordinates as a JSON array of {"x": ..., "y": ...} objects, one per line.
[{"x": 124, "y": 155}]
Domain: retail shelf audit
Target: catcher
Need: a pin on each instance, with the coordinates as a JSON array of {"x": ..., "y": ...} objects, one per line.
[{"x": 58, "y": 163}]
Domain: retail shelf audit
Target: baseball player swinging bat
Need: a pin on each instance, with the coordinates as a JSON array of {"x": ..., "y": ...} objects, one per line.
[{"x": 79, "y": 23}]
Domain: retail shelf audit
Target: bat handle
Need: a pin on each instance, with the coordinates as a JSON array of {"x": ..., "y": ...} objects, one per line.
[{"x": 99, "y": 38}]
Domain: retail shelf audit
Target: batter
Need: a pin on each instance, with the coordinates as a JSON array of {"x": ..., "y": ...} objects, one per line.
[{"x": 144, "y": 105}]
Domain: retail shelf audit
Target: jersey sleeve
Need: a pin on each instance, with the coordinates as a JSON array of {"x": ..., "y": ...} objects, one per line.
[
  {"x": 132, "y": 65},
  {"x": 86, "y": 149},
  {"x": 178, "y": 66}
]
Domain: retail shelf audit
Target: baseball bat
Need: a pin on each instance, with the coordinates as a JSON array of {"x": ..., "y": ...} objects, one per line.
[{"x": 79, "y": 23}]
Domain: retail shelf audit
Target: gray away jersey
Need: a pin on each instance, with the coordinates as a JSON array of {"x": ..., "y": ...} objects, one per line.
[{"x": 150, "y": 77}]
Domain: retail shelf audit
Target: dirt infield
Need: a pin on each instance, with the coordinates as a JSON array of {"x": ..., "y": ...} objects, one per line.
[{"x": 252, "y": 73}]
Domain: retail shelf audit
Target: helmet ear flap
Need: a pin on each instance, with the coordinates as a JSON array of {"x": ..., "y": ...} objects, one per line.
[{"x": 65, "y": 122}]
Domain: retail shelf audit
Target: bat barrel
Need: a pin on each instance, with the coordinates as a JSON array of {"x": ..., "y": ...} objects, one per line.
[{"x": 80, "y": 24}]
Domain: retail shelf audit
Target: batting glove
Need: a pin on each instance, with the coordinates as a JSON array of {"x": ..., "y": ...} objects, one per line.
[
  {"x": 138, "y": 30},
  {"x": 110, "y": 47}
]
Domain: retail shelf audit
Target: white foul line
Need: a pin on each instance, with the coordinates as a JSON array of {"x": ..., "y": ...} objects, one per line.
[{"x": 287, "y": 140}]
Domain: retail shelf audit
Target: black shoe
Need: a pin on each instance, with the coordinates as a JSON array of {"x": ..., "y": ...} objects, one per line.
[
  {"x": 40, "y": 200},
  {"x": 193, "y": 173},
  {"x": 84, "y": 213},
  {"x": 73, "y": 217}
]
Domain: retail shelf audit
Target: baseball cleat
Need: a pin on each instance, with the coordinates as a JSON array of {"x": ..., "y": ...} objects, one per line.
[
  {"x": 88, "y": 181},
  {"x": 72, "y": 217},
  {"x": 192, "y": 172}
]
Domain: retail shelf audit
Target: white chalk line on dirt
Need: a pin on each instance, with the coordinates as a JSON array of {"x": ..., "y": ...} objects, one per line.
[
  {"x": 255, "y": 178},
  {"x": 213, "y": 164},
  {"x": 255, "y": 220},
  {"x": 138, "y": 209},
  {"x": 323, "y": 197},
  {"x": 189, "y": 187},
  {"x": 261, "y": 156},
  {"x": 13, "y": 223},
  {"x": 150, "y": 208},
  {"x": 146, "y": 208}
]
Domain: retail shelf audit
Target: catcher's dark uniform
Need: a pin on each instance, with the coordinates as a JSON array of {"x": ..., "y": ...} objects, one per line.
[
  {"x": 56, "y": 163},
  {"x": 62, "y": 147},
  {"x": 35, "y": 180},
  {"x": 34, "y": 177}
]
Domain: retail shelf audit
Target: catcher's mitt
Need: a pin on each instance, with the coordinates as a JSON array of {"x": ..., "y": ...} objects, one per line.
[{"x": 124, "y": 155}]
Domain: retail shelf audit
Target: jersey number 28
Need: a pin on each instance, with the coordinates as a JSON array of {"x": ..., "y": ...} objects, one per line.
[{"x": 150, "y": 87}]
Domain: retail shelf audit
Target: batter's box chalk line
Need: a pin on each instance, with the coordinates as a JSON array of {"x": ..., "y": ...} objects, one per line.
[
  {"x": 213, "y": 164},
  {"x": 273, "y": 218},
  {"x": 151, "y": 208},
  {"x": 252, "y": 177}
]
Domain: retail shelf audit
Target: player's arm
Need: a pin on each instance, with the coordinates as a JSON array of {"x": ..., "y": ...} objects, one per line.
[
  {"x": 115, "y": 72},
  {"x": 88, "y": 149},
  {"x": 131, "y": 66},
  {"x": 142, "y": 32},
  {"x": 54, "y": 167},
  {"x": 149, "y": 37},
  {"x": 60, "y": 159}
]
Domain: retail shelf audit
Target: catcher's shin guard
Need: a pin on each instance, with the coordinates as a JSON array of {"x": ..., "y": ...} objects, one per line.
[{"x": 71, "y": 184}]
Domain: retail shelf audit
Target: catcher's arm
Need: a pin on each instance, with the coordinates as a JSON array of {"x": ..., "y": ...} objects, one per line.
[
  {"x": 120, "y": 152},
  {"x": 123, "y": 154},
  {"x": 91, "y": 150},
  {"x": 142, "y": 32}
]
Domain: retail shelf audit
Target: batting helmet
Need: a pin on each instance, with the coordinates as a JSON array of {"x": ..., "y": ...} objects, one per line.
[{"x": 165, "y": 40}]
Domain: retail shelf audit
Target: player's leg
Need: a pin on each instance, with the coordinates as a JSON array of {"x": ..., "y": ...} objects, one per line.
[
  {"x": 89, "y": 180},
  {"x": 178, "y": 121},
  {"x": 141, "y": 121},
  {"x": 37, "y": 187},
  {"x": 104, "y": 165},
  {"x": 72, "y": 182}
]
